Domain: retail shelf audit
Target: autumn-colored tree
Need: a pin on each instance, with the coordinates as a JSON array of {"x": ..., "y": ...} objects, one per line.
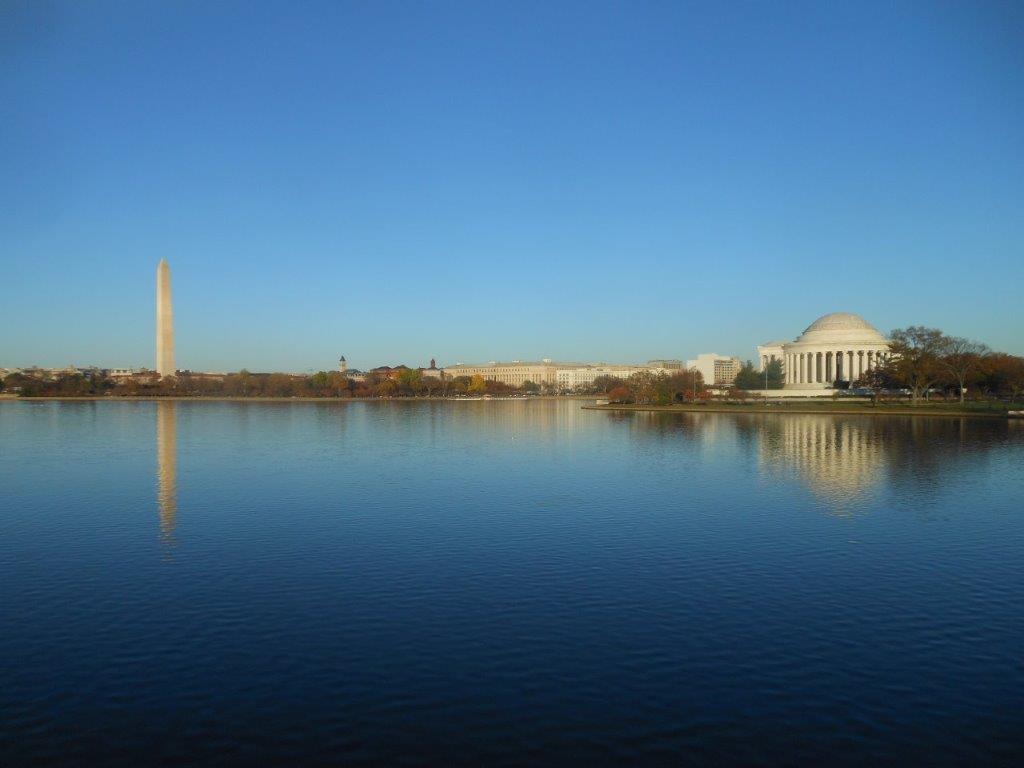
[
  {"x": 338, "y": 384},
  {"x": 238, "y": 384},
  {"x": 914, "y": 358},
  {"x": 279, "y": 385},
  {"x": 477, "y": 385},
  {"x": 641, "y": 384},
  {"x": 606, "y": 383},
  {"x": 432, "y": 385},
  {"x": 670, "y": 387},
  {"x": 410, "y": 381},
  {"x": 319, "y": 383},
  {"x": 695, "y": 384},
  {"x": 1001, "y": 374},
  {"x": 497, "y": 387},
  {"x": 960, "y": 358},
  {"x": 620, "y": 394},
  {"x": 387, "y": 388}
]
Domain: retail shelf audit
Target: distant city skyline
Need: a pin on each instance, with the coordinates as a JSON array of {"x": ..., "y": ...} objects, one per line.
[{"x": 480, "y": 182}]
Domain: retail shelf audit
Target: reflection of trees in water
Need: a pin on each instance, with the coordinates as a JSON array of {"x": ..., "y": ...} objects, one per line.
[
  {"x": 167, "y": 466},
  {"x": 843, "y": 460},
  {"x": 705, "y": 428},
  {"x": 531, "y": 421},
  {"x": 920, "y": 451}
]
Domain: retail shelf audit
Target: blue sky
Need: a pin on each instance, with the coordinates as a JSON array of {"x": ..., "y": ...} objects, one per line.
[{"x": 477, "y": 181}]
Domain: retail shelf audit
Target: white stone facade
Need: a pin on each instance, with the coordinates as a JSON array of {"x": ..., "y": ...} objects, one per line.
[
  {"x": 513, "y": 373},
  {"x": 564, "y": 376},
  {"x": 164, "y": 321},
  {"x": 585, "y": 375},
  {"x": 836, "y": 347}
]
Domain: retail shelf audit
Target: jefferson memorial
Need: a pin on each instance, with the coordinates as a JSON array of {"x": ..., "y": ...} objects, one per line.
[{"x": 836, "y": 347}]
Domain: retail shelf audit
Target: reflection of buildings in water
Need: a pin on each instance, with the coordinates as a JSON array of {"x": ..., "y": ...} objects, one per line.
[
  {"x": 167, "y": 466},
  {"x": 543, "y": 420},
  {"x": 840, "y": 460}
]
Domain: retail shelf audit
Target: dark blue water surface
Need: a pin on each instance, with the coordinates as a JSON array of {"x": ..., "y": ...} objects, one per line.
[{"x": 506, "y": 583}]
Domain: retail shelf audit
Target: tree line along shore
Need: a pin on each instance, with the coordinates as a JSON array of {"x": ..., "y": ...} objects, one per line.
[{"x": 925, "y": 366}]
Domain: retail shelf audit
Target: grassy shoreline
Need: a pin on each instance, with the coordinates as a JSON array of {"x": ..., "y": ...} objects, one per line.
[
  {"x": 932, "y": 410},
  {"x": 241, "y": 399}
]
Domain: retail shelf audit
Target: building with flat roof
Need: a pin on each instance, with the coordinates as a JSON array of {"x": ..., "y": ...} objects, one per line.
[
  {"x": 715, "y": 368},
  {"x": 726, "y": 371},
  {"x": 513, "y": 373},
  {"x": 564, "y": 376}
]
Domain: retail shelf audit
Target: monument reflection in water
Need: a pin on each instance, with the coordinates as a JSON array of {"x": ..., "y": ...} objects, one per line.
[
  {"x": 847, "y": 462},
  {"x": 460, "y": 582},
  {"x": 167, "y": 467}
]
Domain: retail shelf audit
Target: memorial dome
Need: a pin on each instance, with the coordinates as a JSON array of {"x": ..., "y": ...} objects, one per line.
[{"x": 840, "y": 327}]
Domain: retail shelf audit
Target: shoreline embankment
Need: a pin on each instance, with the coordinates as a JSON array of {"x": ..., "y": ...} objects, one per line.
[{"x": 929, "y": 411}]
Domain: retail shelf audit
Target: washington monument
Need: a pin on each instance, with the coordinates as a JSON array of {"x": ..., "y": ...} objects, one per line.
[{"x": 164, "y": 321}]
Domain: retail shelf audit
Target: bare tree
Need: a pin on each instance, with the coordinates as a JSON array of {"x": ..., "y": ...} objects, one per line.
[
  {"x": 914, "y": 358},
  {"x": 960, "y": 357}
]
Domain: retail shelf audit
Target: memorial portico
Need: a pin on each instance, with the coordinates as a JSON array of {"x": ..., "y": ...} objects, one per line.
[{"x": 840, "y": 347}]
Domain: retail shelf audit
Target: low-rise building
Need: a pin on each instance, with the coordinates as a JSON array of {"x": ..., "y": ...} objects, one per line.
[
  {"x": 726, "y": 371},
  {"x": 515, "y": 373},
  {"x": 586, "y": 375},
  {"x": 715, "y": 368}
]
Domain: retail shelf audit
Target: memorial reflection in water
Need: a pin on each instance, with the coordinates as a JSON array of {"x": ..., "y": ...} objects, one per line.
[
  {"x": 846, "y": 582},
  {"x": 848, "y": 463},
  {"x": 840, "y": 460},
  {"x": 167, "y": 467}
]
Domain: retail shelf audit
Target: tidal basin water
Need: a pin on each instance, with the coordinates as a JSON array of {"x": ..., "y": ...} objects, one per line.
[{"x": 506, "y": 583}]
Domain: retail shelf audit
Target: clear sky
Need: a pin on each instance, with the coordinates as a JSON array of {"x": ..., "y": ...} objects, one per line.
[{"x": 486, "y": 180}]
